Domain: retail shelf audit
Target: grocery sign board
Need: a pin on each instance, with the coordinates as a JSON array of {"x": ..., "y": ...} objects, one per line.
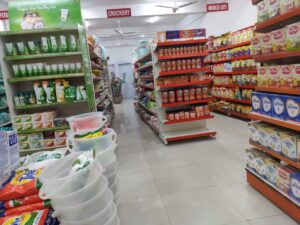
[
  {"x": 40, "y": 14},
  {"x": 218, "y": 7},
  {"x": 3, "y": 15},
  {"x": 118, "y": 13}
]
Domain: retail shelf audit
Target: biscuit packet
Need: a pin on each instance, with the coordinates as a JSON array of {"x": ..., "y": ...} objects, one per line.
[
  {"x": 262, "y": 78},
  {"x": 286, "y": 5},
  {"x": 296, "y": 75},
  {"x": 293, "y": 37},
  {"x": 297, "y": 3},
  {"x": 274, "y": 76},
  {"x": 279, "y": 40},
  {"x": 263, "y": 12},
  {"x": 286, "y": 78},
  {"x": 274, "y": 8},
  {"x": 267, "y": 47},
  {"x": 257, "y": 44}
]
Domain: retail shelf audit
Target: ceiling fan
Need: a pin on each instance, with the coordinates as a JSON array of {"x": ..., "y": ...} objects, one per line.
[
  {"x": 176, "y": 7},
  {"x": 119, "y": 31}
]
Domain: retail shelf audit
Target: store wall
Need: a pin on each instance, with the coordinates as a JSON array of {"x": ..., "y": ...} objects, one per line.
[{"x": 241, "y": 14}]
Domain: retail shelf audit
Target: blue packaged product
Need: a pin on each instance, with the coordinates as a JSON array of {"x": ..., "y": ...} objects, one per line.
[
  {"x": 173, "y": 35},
  {"x": 278, "y": 105},
  {"x": 266, "y": 101},
  {"x": 292, "y": 108},
  {"x": 295, "y": 186},
  {"x": 256, "y": 102}
]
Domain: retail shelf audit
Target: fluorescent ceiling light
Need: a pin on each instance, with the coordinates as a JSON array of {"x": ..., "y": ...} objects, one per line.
[
  {"x": 142, "y": 35},
  {"x": 153, "y": 19}
]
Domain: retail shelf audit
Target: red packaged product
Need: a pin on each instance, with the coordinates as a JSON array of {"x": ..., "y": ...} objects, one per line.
[
  {"x": 186, "y": 95},
  {"x": 179, "y": 96},
  {"x": 187, "y": 115},
  {"x": 166, "y": 52},
  {"x": 161, "y": 52},
  {"x": 179, "y": 65},
  {"x": 181, "y": 50},
  {"x": 163, "y": 67},
  {"x": 198, "y": 63},
  {"x": 26, "y": 208},
  {"x": 206, "y": 110},
  {"x": 165, "y": 97},
  {"x": 172, "y": 98},
  {"x": 37, "y": 217},
  {"x": 170, "y": 51},
  {"x": 200, "y": 111},
  {"x": 185, "y": 50},
  {"x": 205, "y": 92},
  {"x": 169, "y": 66},
  {"x": 183, "y": 64},
  {"x": 20, "y": 202},
  {"x": 193, "y": 115},
  {"x": 24, "y": 183},
  {"x": 196, "y": 49},
  {"x": 182, "y": 115},
  {"x": 174, "y": 67},
  {"x": 193, "y": 63},
  {"x": 188, "y": 64},
  {"x": 171, "y": 116},
  {"x": 177, "y": 116}
]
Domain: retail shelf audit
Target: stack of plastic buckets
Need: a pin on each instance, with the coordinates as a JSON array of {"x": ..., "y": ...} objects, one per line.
[
  {"x": 89, "y": 196},
  {"x": 105, "y": 146}
]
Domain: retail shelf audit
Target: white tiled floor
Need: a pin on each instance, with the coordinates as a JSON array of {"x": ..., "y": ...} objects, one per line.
[{"x": 199, "y": 182}]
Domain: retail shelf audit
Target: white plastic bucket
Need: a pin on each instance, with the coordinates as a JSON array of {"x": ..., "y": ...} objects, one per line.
[
  {"x": 112, "y": 179},
  {"x": 107, "y": 156},
  {"x": 58, "y": 174},
  {"x": 114, "y": 187},
  {"x": 102, "y": 202},
  {"x": 97, "y": 143},
  {"x": 64, "y": 198},
  {"x": 108, "y": 216},
  {"x": 88, "y": 121},
  {"x": 111, "y": 168}
]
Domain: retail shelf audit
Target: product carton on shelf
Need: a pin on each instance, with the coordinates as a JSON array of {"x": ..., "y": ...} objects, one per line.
[
  {"x": 284, "y": 178},
  {"x": 257, "y": 102},
  {"x": 293, "y": 108},
  {"x": 5, "y": 169},
  {"x": 266, "y": 101},
  {"x": 290, "y": 145},
  {"x": 251, "y": 155},
  {"x": 272, "y": 170},
  {"x": 279, "y": 107}
]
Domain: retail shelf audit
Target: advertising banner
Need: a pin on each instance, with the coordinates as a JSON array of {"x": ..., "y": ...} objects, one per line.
[{"x": 41, "y": 14}]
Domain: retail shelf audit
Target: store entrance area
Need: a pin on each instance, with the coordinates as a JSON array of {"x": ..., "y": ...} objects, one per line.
[{"x": 191, "y": 183}]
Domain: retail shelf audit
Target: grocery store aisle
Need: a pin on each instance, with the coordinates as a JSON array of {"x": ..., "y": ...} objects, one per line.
[{"x": 200, "y": 182}]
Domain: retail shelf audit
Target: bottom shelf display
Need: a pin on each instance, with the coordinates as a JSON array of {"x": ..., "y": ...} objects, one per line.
[
  {"x": 149, "y": 119},
  {"x": 276, "y": 196},
  {"x": 231, "y": 109}
]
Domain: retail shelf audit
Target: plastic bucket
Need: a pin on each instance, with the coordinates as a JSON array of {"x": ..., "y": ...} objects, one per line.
[
  {"x": 111, "y": 168},
  {"x": 88, "y": 121},
  {"x": 102, "y": 202},
  {"x": 108, "y": 216},
  {"x": 114, "y": 187},
  {"x": 112, "y": 179},
  {"x": 107, "y": 156},
  {"x": 58, "y": 174},
  {"x": 64, "y": 198},
  {"x": 97, "y": 143}
]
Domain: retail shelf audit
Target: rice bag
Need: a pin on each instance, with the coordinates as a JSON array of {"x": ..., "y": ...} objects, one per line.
[
  {"x": 38, "y": 217},
  {"x": 24, "y": 183},
  {"x": 43, "y": 159},
  {"x": 20, "y": 202},
  {"x": 26, "y": 208}
]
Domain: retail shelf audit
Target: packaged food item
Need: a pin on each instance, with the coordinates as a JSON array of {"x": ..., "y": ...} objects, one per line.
[
  {"x": 36, "y": 137},
  {"x": 45, "y": 43},
  {"x": 274, "y": 8},
  {"x": 41, "y": 68},
  {"x": 63, "y": 43},
  {"x": 186, "y": 95},
  {"x": 61, "y": 68},
  {"x": 187, "y": 115},
  {"x": 179, "y": 96},
  {"x": 31, "y": 47},
  {"x": 48, "y": 116},
  {"x": 27, "y": 126},
  {"x": 271, "y": 170},
  {"x": 193, "y": 115},
  {"x": 260, "y": 164},
  {"x": 60, "y": 142},
  {"x": 251, "y": 155},
  {"x": 296, "y": 75},
  {"x": 267, "y": 47},
  {"x": 39, "y": 93},
  {"x": 290, "y": 145},
  {"x": 35, "y": 69},
  {"x": 73, "y": 43},
  {"x": 48, "y": 69},
  {"x": 279, "y": 108},
  {"x": 60, "y": 90},
  {"x": 205, "y": 92},
  {"x": 267, "y": 107},
  {"x": 274, "y": 76},
  {"x": 72, "y": 68},
  {"x": 24, "y": 183},
  {"x": 286, "y": 5},
  {"x": 279, "y": 40},
  {"x": 24, "y": 146},
  {"x": 295, "y": 186},
  {"x": 54, "y": 68},
  {"x": 23, "y": 70},
  {"x": 182, "y": 115},
  {"x": 16, "y": 70},
  {"x": 37, "y": 117},
  {"x": 36, "y": 144},
  {"x": 293, "y": 37},
  {"x": 284, "y": 178},
  {"x": 263, "y": 12},
  {"x": 37, "y": 217},
  {"x": 286, "y": 77},
  {"x": 172, "y": 98},
  {"x": 53, "y": 42},
  {"x": 262, "y": 78},
  {"x": 38, "y": 125},
  {"x": 49, "y": 143}
]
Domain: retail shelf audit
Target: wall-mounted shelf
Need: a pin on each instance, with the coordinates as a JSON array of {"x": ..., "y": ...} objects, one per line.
[
  {"x": 248, "y": 102},
  {"x": 10, "y": 59},
  {"x": 289, "y": 91},
  {"x": 45, "y": 77},
  {"x": 185, "y": 103},
  {"x": 179, "y": 72},
  {"x": 201, "y": 54},
  {"x": 43, "y": 130},
  {"x": 201, "y": 82}
]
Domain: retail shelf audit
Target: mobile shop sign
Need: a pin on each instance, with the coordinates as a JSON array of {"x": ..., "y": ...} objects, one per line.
[
  {"x": 118, "y": 13},
  {"x": 3, "y": 14},
  {"x": 218, "y": 7}
]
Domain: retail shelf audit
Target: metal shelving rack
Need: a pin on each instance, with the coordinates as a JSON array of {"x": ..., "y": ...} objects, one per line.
[
  {"x": 13, "y": 85},
  {"x": 233, "y": 73},
  {"x": 282, "y": 200},
  {"x": 182, "y": 129}
]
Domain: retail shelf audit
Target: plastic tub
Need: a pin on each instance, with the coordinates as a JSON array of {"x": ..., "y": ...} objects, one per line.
[
  {"x": 102, "y": 202},
  {"x": 88, "y": 121},
  {"x": 108, "y": 216},
  {"x": 111, "y": 168},
  {"x": 58, "y": 174},
  {"x": 65, "y": 199},
  {"x": 114, "y": 187},
  {"x": 98, "y": 143},
  {"x": 112, "y": 179},
  {"x": 107, "y": 156}
]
